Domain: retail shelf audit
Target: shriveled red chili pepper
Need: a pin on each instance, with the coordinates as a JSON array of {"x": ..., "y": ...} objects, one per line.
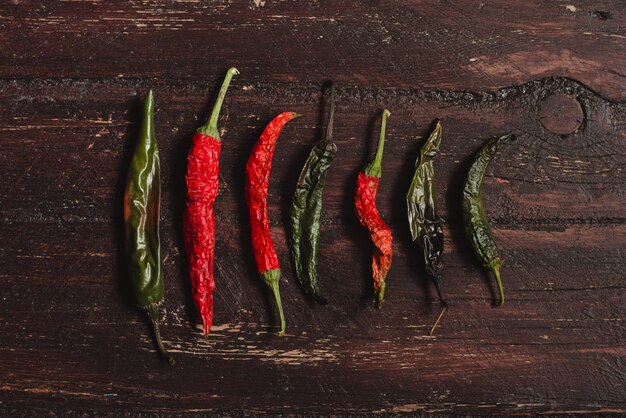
[
  {"x": 257, "y": 180},
  {"x": 365, "y": 205},
  {"x": 199, "y": 218}
]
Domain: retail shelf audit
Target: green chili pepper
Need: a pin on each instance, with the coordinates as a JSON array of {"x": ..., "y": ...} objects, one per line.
[
  {"x": 477, "y": 226},
  {"x": 142, "y": 201},
  {"x": 426, "y": 226},
  {"x": 306, "y": 209}
]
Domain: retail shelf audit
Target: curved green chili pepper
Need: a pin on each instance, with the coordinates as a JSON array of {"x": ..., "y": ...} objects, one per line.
[
  {"x": 477, "y": 226},
  {"x": 306, "y": 209},
  {"x": 426, "y": 225},
  {"x": 142, "y": 201}
]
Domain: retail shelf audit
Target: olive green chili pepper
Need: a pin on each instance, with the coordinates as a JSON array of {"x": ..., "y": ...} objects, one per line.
[
  {"x": 426, "y": 225},
  {"x": 306, "y": 209},
  {"x": 142, "y": 201},
  {"x": 477, "y": 226}
]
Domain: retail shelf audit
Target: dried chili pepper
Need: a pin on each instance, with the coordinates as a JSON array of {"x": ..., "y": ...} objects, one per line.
[
  {"x": 477, "y": 226},
  {"x": 199, "y": 219},
  {"x": 142, "y": 200},
  {"x": 306, "y": 209},
  {"x": 425, "y": 224},
  {"x": 257, "y": 180},
  {"x": 365, "y": 205}
]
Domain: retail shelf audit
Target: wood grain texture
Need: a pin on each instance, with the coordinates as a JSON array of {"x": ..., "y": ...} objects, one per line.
[
  {"x": 72, "y": 74},
  {"x": 475, "y": 45}
]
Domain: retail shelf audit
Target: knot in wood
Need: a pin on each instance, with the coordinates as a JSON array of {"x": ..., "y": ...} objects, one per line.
[{"x": 561, "y": 114}]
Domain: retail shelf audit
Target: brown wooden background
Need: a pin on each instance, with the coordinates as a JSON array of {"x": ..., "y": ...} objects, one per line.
[{"x": 552, "y": 72}]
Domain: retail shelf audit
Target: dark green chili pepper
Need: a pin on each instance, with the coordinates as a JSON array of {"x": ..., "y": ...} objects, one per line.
[
  {"x": 142, "y": 201},
  {"x": 426, "y": 226},
  {"x": 306, "y": 209},
  {"x": 477, "y": 226}
]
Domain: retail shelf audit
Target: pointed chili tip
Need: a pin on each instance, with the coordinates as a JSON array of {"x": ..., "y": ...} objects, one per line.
[
  {"x": 149, "y": 101},
  {"x": 386, "y": 113},
  {"x": 496, "y": 272},
  {"x": 206, "y": 328},
  {"x": 233, "y": 71},
  {"x": 153, "y": 313},
  {"x": 295, "y": 115}
]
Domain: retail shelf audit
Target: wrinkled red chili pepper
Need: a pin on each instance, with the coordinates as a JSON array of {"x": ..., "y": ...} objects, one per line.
[
  {"x": 257, "y": 180},
  {"x": 199, "y": 218},
  {"x": 365, "y": 205}
]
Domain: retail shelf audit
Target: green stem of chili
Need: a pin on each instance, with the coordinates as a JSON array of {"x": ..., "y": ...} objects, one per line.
[
  {"x": 279, "y": 305},
  {"x": 496, "y": 272},
  {"x": 381, "y": 296},
  {"x": 331, "y": 115},
  {"x": 152, "y": 310},
  {"x": 210, "y": 128},
  {"x": 374, "y": 168}
]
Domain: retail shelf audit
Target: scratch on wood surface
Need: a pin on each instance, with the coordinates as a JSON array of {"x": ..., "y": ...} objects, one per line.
[
  {"x": 47, "y": 390},
  {"x": 409, "y": 407}
]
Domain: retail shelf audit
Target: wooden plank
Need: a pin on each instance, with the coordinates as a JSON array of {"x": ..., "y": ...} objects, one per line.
[{"x": 428, "y": 43}]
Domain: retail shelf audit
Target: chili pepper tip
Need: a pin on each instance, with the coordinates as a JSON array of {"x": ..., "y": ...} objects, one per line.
[
  {"x": 496, "y": 272},
  {"x": 233, "y": 71},
  {"x": 152, "y": 310}
]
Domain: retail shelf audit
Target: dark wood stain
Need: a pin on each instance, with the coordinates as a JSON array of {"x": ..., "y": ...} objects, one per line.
[{"x": 71, "y": 75}]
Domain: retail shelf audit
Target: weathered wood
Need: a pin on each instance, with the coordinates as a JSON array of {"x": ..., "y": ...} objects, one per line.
[
  {"x": 71, "y": 75},
  {"x": 469, "y": 45}
]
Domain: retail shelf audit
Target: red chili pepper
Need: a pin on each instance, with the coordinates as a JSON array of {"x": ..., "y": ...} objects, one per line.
[
  {"x": 365, "y": 204},
  {"x": 257, "y": 180},
  {"x": 199, "y": 218}
]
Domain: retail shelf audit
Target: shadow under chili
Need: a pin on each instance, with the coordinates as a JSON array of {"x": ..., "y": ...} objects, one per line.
[
  {"x": 178, "y": 170},
  {"x": 403, "y": 233},
  {"x": 134, "y": 107}
]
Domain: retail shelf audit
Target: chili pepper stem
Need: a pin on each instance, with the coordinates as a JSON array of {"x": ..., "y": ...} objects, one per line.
[
  {"x": 496, "y": 272},
  {"x": 210, "y": 128},
  {"x": 279, "y": 305},
  {"x": 331, "y": 116},
  {"x": 374, "y": 168},
  {"x": 152, "y": 310}
]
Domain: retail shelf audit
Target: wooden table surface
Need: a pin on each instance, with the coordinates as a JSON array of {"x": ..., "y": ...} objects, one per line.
[{"x": 72, "y": 74}]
